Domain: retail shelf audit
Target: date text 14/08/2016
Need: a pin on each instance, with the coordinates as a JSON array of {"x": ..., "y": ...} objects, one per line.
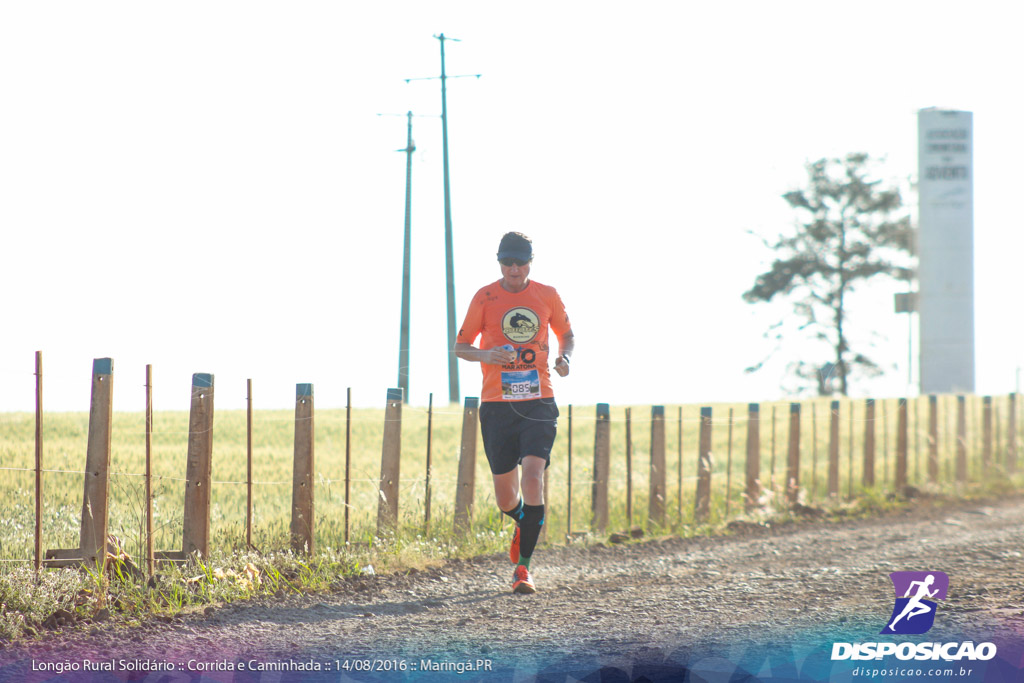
[{"x": 372, "y": 665}]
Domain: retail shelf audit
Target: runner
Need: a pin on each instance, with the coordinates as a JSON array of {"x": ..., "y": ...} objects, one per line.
[
  {"x": 518, "y": 414},
  {"x": 914, "y": 606}
]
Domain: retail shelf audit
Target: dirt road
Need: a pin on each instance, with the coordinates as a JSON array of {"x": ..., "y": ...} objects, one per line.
[{"x": 769, "y": 601}]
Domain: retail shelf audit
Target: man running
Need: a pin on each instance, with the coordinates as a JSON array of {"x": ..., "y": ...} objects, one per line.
[
  {"x": 914, "y": 606},
  {"x": 518, "y": 415}
]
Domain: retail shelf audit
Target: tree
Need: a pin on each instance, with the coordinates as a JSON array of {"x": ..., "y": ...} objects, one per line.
[{"x": 851, "y": 229}]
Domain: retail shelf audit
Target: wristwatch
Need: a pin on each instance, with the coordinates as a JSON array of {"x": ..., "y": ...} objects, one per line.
[{"x": 563, "y": 357}]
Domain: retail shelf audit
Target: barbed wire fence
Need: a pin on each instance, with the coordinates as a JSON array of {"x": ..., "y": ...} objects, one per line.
[{"x": 631, "y": 470}]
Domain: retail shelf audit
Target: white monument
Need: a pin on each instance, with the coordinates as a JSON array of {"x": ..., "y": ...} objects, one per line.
[{"x": 946, "y": 250}]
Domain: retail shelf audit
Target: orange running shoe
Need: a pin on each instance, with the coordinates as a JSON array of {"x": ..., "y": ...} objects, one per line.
[
  {"x": 513, "y": 550},
  {"x": 522, "y": 582}
]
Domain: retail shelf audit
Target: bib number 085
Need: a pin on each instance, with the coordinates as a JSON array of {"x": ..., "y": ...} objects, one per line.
[{"x": 520, "y": 388}]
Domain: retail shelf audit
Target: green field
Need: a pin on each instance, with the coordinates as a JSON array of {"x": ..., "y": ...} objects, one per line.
[{"x": 64, "y": 448}]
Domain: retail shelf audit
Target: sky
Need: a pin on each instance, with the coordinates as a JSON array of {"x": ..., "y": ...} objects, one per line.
[{"x": 216, "y": 186}]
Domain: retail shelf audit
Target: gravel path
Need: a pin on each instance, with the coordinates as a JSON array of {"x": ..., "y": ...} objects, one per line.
[{"x": 756, "y": 599}]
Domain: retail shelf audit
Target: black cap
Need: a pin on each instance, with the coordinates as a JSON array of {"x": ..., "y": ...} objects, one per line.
[{"x": 515, "y": 245}]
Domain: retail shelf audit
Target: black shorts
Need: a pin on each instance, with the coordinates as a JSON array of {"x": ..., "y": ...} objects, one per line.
[{"x": 514, "y": 429}]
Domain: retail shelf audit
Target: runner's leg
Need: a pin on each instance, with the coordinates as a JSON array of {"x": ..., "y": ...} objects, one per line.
[
  {"x": 533, "y": 480},
  {"x": 506, "y": 490},
  {"x": 533, "y": 506}
]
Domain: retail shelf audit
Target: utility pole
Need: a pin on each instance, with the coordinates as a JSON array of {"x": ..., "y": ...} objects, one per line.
[
  {"x": 404, "y": 344},
  {"x": 403, "y": 338},
  {"x": 449, "y": 266},
  {"x": 453, "y": 367}
]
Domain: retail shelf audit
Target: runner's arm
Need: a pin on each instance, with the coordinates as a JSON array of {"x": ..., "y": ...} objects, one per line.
[
  {"x": 495, "y": 356},
  {"x": 566, "y": 344}
]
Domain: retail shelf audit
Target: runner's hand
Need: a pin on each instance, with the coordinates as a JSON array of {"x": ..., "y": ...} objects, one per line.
[
  {"x": 561, "y": 367},
  {"x": 499, "y": 356}
]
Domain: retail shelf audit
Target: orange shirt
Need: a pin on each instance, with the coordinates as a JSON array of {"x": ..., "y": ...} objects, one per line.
[{"x": 520, "y": 319}]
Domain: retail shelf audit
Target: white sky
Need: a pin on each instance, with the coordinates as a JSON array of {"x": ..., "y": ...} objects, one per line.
[{"x": 208, "y": 187}]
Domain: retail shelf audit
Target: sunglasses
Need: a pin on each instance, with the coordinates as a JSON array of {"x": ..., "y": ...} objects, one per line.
[{"x": 509, "y": 262}]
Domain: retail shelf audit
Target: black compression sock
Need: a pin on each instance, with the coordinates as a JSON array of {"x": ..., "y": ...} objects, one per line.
[
  {"x": 515, "y": 513},
  {"x": 529, "y": 529}
]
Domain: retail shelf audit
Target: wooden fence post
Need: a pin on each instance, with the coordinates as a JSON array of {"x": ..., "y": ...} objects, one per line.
[
  {"x": 974, "y": 418},
  {"x": 950, "y": 460},
  {"x": 94, "y": 508},
  {"x": 198, "y": 474},
  {"x": 849, "y": 453},
  {"x": 752, "y": 496},
  {"x": 885, "y": 443},
  {"x": 986, "y": 428},
  {"x": 916, "y": 439},
  {"x": 38, "y": 557},
  {"x": 248, "y": 463},
  {"x": 656, "y": 502},
  {"x": 303, "y": 524},
  {"x": 793, "y": 461},
  {"x": 679, "y": 446},
  {"x": 702, "y": 506},
  {"x": 814, "y": 451},
  {"x": 728, "y": 467},
  {"x": 933, "y": 438},
  {"x": 629, "y": 468},
  {"x": 961, "y": 438},
  {"x": 771, "y": 464},
  {"x": 833, "y": 451},
  {"x": 149, "y": 472},
  {"x": 348, "y": 459},
  {"x": 199, "y": 467},
  {"x": 426, "y": 483},
  {"x": 467, "y": 466},
  {"x": 390, "y": 464},
  {"x": 1000, "y": 454},
  {"x": 869, "y": 443},
  {"x": 602, "y": 453},
  {"x": 901, "y": 448},
  {"x": 93, "y": 535},
  {"x": 1011, "y": 436},
  {"x": 568, "y": 473}
]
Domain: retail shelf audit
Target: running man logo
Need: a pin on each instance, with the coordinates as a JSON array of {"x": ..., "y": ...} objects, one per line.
[{"x": 916, "y": 595}]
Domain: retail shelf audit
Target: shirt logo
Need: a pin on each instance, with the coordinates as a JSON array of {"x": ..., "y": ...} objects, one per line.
[
  {"x": 916, "y": 595},
  {"x": 520, "y": 325}
]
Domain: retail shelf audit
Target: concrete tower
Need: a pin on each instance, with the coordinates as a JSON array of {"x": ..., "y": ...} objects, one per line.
[{"x": 946, "y": 250}]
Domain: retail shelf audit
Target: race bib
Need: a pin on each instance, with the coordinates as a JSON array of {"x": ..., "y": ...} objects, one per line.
[{"x": 519, "y": 386}]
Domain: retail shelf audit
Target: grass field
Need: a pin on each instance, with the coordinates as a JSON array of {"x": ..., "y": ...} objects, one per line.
[
  {"x": 235, "y": 572},
  {"x": 65, "y": 434}
]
